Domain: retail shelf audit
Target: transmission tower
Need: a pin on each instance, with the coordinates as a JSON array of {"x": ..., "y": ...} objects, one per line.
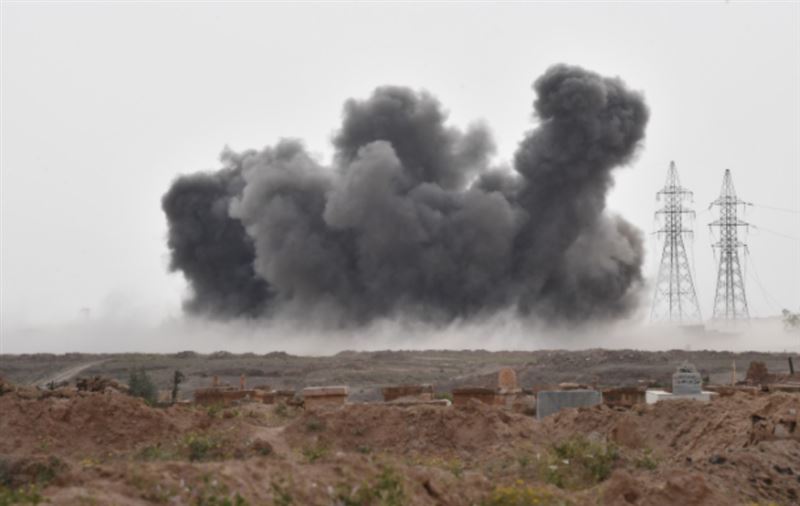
[
  {"x": 730, "y": 301},
  {"x": 675, "y": 300}
]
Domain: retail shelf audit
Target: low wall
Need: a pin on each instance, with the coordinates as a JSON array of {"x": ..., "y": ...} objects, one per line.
[{"x": 550, "y": 402}]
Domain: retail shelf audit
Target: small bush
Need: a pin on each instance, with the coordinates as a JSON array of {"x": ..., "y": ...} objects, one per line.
[
  {"x": 140, "y": 385},
  {"x": 443, "y": 395},
  {"x": 578, "y": 463},
  {"x": 646, "y": 460},
  {"x": 315, "y": 425},
  {"x": 203, "y": 447},
  {"x": 154, "y": 453},
  {"x": 314, "y": 453}
]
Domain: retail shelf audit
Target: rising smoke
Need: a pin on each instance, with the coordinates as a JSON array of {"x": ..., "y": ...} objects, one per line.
[{"x": 411, "y": 220}]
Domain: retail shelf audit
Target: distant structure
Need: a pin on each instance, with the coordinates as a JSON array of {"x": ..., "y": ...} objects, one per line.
[
  {"x": 730, "y": 301},
  {"x": 675, "y": 299}
]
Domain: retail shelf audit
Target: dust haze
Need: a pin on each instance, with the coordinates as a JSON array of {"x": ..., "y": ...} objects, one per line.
[{"x": 505, "y": 331}]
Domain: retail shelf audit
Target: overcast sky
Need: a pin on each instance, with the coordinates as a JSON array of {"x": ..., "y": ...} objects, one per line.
[{"x": 104, "y": 104}]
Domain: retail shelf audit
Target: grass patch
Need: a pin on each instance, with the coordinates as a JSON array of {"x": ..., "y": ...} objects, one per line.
[
  {"x": 385, "y": 490},
  {"x": 214, "y": 493},
  {"x": 28, "y": 494},
  {"x": 454, "y": 465},
  {"x": 203, "y": 447},
  {"x": 280, "y": 495},
  {"x": 523, "y": 495},
  {"x": 154, "y": 453},
  {"x": 578, "y": 463},
  {"x": 646, "y": 460},
  {"x": 314, "y": 453},
  {"x": 315, "y": 424},
  {"x": 281, "y": 410}
]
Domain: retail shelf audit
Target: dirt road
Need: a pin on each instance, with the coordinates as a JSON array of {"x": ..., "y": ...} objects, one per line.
[{"x": 67, "y": 374}]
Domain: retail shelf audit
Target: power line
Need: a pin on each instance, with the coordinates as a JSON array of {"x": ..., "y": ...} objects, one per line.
[
  {"x": 771, "y": 301},
  {"x": 782, "y": 209},
  {"x": 786, "y": 236}
]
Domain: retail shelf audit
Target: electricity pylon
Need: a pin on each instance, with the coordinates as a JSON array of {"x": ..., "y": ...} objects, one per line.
[
  {"x": 675, "y": 300},
  {"x": 730, "y": 300}
]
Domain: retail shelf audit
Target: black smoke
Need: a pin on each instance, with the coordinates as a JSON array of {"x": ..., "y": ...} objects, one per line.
[{"x": 412, "y": 220}]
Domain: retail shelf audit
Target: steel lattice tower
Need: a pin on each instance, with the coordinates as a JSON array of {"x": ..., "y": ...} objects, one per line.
[
  {"x": 730, "y": 301},
  {"x": 675, "y": 300}
]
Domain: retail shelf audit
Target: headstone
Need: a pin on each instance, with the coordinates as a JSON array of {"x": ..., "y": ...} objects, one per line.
[
  {"x": 507, "y": 380},
  {"x": 687, "y": 384},
  {"x": 686, "y": 380},
  {"x": 757, "y": 373},
  {"x": 315, "y": 397},
  {"x": 549, "y": 402}
]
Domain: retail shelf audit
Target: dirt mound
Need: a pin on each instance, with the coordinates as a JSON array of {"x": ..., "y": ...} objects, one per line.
[
  {"x": 417, "y": 429},
  {"x": 688, "y": 428},
  {"x": 688, "y": 489},
  {"x": 86, "y": 424},
  {"x": 742, "y": 444}
]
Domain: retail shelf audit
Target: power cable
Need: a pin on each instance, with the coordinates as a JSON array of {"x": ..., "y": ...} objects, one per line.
[
  {"x": 786, "y": 236},
  {"x": 782, "y": 209},
  {"x": 771, "y": 301}
]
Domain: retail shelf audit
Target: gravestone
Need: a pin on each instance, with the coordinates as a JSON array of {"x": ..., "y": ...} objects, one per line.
[
  {"x": 507, "y": 380},
  {"x": 549, "y": 402},
  {"x": 686, "y": 380},
  {"x": 687, "y": 384}
]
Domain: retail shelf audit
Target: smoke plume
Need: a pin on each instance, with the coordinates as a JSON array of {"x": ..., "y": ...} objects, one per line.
[{"x": 411, "y": 219}]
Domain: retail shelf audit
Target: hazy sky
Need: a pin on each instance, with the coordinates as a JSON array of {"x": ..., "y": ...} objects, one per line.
[{"x": 104, "y": 104}]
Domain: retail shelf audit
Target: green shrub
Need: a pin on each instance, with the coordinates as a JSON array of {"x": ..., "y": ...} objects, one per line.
[
  {"x": 281, "y": 410},
  {"x": 203, "y": 447},
  {"x": 578, "y": 463},
  {"x": 140, "y": 385},
  {"x": 646, "y": 460}
]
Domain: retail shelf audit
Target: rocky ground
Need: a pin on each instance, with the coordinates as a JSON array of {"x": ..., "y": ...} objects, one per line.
[{"x": 69, "y": 447}]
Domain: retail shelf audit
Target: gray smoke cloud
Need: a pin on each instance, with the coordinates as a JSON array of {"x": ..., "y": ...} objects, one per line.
[{"x": 411, "y": 219}]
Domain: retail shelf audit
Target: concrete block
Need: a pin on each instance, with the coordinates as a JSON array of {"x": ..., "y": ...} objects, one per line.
[
  {"x": 549, "y": 402},
  {"x": 319, "y": 397},
  {"x": 654, "y": 396}
]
